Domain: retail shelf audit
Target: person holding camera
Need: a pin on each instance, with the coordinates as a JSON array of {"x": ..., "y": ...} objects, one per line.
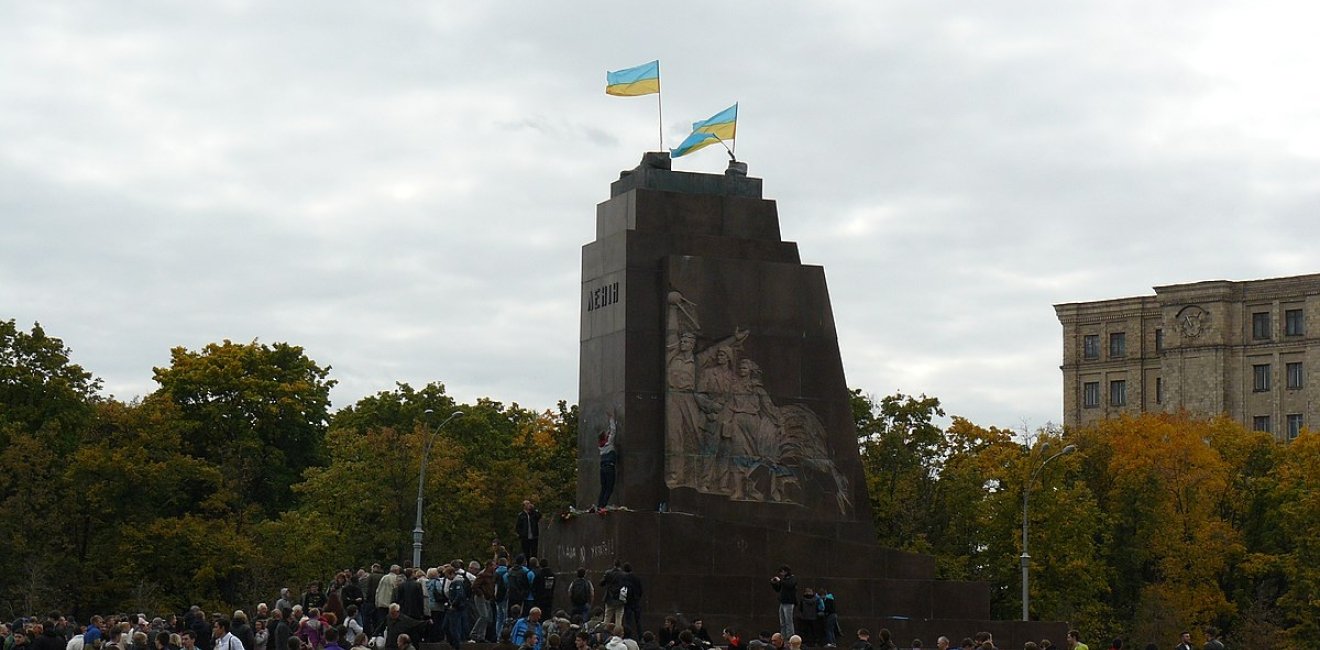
[{"x": 785, "y": 583}]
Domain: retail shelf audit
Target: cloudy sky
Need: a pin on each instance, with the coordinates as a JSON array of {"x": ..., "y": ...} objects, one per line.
[{"x": 403, "y": 187}]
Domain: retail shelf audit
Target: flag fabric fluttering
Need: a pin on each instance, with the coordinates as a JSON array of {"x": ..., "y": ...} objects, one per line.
[
  {"x": 723, "y": 124},
  {"x": 641, "y": 80},
  {"x": 716, "y": 128},
  {"x": 692, "y": 143}
]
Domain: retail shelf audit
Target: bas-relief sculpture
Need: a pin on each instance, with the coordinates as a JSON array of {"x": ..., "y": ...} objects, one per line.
[
  {"x": 1193, "y": 321},
  {"x": 724, "y": 435}
]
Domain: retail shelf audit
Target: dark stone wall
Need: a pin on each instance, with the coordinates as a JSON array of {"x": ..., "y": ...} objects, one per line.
[
  {"x": 726, "y": 251},
  {"x": 721, "y": 570},
  {"x": 712, "y": 244}
]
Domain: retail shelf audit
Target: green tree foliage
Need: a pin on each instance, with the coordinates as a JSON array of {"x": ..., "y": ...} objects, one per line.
[
  {"x": 902, "y": 451},
  {"x": 234, "y": 479},
  {"x": 41, "y": 390},
  {"x": 46, "y": 401},
  {"x": 361, "y": 506},
  {"x": 260, "y": 411},
  {"x": 1297, "y": 573}
]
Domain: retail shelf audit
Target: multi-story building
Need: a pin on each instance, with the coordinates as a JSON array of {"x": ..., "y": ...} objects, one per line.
[{"x": 1249, "y": 349}]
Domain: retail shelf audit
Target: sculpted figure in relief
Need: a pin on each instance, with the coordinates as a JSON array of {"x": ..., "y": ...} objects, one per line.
[{"x": 723, "y": 432}]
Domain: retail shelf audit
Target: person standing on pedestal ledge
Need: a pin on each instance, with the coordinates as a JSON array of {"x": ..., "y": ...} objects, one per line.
[
  {"x": 529, "y": 528},
  {"x": 786, "y": 584},
  {"x": 609, "y": 459},
  {"x": 611, "y": 583},
  {"x": 630, "y": 594}
]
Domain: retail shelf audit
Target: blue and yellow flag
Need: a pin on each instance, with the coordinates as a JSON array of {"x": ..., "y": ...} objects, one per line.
[
  {"x": 723, "y": 124},
  {"x": 641, "y": 80},
  {"x": 693, "y": 142}
]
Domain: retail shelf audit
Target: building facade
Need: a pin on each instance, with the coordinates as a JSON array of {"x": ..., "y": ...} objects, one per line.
[{"x": 1249, "y": 349}]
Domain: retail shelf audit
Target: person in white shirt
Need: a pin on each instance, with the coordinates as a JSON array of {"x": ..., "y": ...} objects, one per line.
[{"x": 223, "y": 639}]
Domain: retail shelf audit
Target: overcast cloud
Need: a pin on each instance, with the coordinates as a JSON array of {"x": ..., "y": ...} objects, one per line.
[{"x": 403, "y": 188}]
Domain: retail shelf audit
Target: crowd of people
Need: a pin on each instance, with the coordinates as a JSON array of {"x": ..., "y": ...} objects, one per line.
[
  {"x": 507, "y": 600},
  {"x": 504, "y": 601}
]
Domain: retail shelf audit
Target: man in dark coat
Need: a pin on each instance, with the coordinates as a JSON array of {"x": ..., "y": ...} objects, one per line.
[
  {"x": 49, "y": 638},
  {"x": 543, "y": 587},
  {"x": 278, "y": 631},
  {"x": 632, "y": 603},
  {"x": 529, "y": 529},
  {"x": 410, "y": 597},
  {"x": 786, "y": 584},
  {"x": 239, "y": 627},
  {"x": 396, "y": 623},
  {"x": 368, "y": 609}
]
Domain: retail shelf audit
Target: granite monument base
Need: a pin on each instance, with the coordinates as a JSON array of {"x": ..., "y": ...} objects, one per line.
[{"x": 720, "y": 570}]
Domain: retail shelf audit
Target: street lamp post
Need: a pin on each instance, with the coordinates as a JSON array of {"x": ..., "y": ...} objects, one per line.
[
  {"x": 421, "y": 482},
  {"x": 1026, "y": 499}
]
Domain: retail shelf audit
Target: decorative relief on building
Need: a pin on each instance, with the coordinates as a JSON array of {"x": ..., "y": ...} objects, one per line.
[
  {"x": 724, "y": 435},
  {"x": 1193, "y": 321}
]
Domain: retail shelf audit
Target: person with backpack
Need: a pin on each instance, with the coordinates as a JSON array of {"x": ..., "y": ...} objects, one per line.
[
  {"x": 543, "y": 587},
  {"x": 458, "y": 592},
  {"x": 830, "y": 616},
  {"x": 610, "y": 582},
  {"x": 580, "y": 595},
  {"x": 501, "y": 595},
  {"x": 519, "y": 579}
]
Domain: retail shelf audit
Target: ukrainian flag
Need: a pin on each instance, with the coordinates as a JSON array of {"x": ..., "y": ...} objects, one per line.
[
  {"x": 723, "y": 124},
  {"x": 641, "y": 80},
  {"x": 693, "y": 142}
]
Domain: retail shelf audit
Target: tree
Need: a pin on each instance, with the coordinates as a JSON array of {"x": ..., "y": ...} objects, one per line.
[
  {"x": 1162, "y": 484},
  {"x": 902, "y": 449},
  {"x": 360, "y": 507},
  {"x": 46, "y": 402},
  {"x": 1298, "y": 499},
  {"x": 258, "y": 411},
  {"x": 41, "y": 389}
]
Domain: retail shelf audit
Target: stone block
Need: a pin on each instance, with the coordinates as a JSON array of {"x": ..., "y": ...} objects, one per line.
[{"x": 763, "y": 465}]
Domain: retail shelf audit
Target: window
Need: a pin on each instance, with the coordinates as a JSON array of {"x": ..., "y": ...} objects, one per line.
[
  {"x": 1118, "y": 392},
  {"x": 1091, "y": 346},
  {"x": 1261, "y": 423},
  {"x": 1295, "y": 375},
  {"x": 1091, "y": 394},
  {"x": 1159, "y": 340},
  {"x": 1159, "y": 390},
  {"x": 1117, "y": 344},
  {"x": 1260, "y": 377},
  {"x": 1294, "y": 425},
  {"x": 1260, "y": 325},
  {"x": 1292, "y": 323}
]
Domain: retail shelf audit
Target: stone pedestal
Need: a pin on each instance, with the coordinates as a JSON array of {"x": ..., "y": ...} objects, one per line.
[{"x": 709, "y": 353}]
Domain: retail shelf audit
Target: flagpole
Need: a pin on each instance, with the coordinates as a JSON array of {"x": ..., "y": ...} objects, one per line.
[
  {"x": 660, "y": 105},
  {"x": 733, "y": 153}
]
